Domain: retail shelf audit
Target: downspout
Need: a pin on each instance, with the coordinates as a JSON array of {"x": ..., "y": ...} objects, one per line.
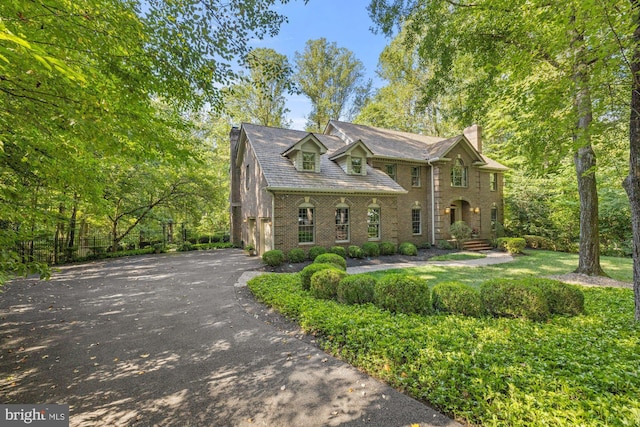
[
  {"x": 273, "y": 216},
  {"x": 433, "y": 206}
]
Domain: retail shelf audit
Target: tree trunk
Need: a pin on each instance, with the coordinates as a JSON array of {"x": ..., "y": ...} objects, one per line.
[
  {"x": 585, "y": 163},
  {"x": 632, "y": 181}
]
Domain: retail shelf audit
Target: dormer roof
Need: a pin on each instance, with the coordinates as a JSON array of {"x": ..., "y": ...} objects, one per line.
[
  {"x": 297, "y": 146},
  {"x": 347, "y": 149}
]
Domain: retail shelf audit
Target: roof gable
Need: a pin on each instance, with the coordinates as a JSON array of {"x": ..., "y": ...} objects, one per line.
[
  {"x": 310, "y": 137},
  {"x": 441, "y": 149},
  {"x": 348, "y": 149}
]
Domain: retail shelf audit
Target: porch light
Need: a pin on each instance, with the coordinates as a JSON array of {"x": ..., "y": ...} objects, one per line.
[
  {"x": 477, "y": 210},
  {"x": 447, "y": 210}
]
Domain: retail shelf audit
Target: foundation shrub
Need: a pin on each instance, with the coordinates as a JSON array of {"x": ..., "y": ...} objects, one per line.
[
  {"x": 387, "y": 248},
  {"x": 296, "y": 255},
  {"x": 356, "y": 289},
  {"x": 510, "y": 298},
  {"x": 324, "y": 283},
  {"x": 273, "y": 257},
  {"x": 310, "y": 270},
  {"x": 407, "y": 248},
  {"x": 355, "y": 252},
  {"x": 339, "y": 250},
  {"x": 456, "y": 298},
  {"x": 315, "y": 251},
  {"x": 330, "y": 258},
  {"x": 371, "y": 249},
  {"x": 401, "y": 293}
]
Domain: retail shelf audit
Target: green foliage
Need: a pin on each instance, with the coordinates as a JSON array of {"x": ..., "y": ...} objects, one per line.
[
  {"x": 513, "y": 245},
  {"x": 459, "y": 364},
  {"x": 296, "y": 255},
  {"x": 371, "y": 249},
  {"x": 339, "y": 250},
  {"x": 537, "y": 242},
  {"x": 310, "y": 270},
  {"x": 562, "y": 298},
  {"x": 402, "y": 293},
  {"x": 324, "y": 283},
  {"x": 357, "y": 289},
  {"x": 387, "y": 248},
  {"x": 331, "y": 258},
  {"x": 185, "y": 247},
  {"x": 408, "y": 248},
  {"x": 509, "y": 298},
  {"x": 356, "y": 252},
  {"x": 456, "y": 298},
  {"x": 444, "y": 244},
  {"x": 273, "y": 258},
  {"x": 315, "y": 251},
  {"x": 460, "y": 231},
  {"x": 159, "y": 248}
]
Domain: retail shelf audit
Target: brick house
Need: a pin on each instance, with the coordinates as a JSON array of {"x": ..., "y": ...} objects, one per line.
[{"x": 355, "y": 183}]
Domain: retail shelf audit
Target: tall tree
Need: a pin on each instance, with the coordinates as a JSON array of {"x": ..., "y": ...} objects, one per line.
[
  {"x": 551, "y": 60},
  {"x": 260, "y": 96},
  {"x": 332, "y": 78}
]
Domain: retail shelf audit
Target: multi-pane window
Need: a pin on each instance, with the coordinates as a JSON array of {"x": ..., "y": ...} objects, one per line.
[
  {"x": 373, "y": 223},
  {"x": 415, "y": 176},
  {"x": 494, "y": 218},
  {"x": 459, "y": 174},
  {"x": 391, "y": 171},
  {"x": 493, "y": 181},
  {"x": 416, "y": 221},
  {"x": 309, "y": 161},
  {"x": 342, "y": 224},
  {"x": 356, "y": 165},
  {"x": 306, "y": 225}
]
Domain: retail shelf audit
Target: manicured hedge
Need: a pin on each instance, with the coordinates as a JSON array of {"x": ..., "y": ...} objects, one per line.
[
  {"x": 330, "y": 258},
  {"x": 513, "y": 245},
  {"x": 387, "y": 248},
  {"x": 339, "y": 250},
  {"x": 371, "y": 249},
  {"x": 315, "y": 251},
  {"x": 356, "y": 252},
  {"x": 509, "y": 298},
  {"x": 401, "y": 293},
  {"x": 537, "y": 242},
  {"x": 296, "y": 255},
  {"x": 562, "y": 298},
  {"x": 456, "y": 298},
  {"x": 324, "y": 283},
  {"x": 407, "y": 248},
  {"x": 356, "y": 289},
  {"x": 310, "y": 270},
  {"x": 273, "y": 257}
]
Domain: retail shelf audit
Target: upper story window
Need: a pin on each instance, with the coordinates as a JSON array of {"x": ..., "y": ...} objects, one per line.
[
  {"x": 391, "y": 171},
  {"x": 306, "y": 224},
  {"x": 415, "y": 176},
  {"x": 493, "y": 181},
  {"x": 459, "y": 174},
  {"x": 356, "y": 165},
  {"x": 308, "y": 161}
]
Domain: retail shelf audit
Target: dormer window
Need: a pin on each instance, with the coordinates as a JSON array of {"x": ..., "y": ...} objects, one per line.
[
  {"x": 308, "y": 161},
  {"x": 356, "y": 165}
]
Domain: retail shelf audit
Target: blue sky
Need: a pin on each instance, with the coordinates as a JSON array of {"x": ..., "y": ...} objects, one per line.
[{"x": 345, "y": 22}]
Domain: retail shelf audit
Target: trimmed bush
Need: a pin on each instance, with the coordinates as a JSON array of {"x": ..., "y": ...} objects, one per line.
[
  {"x": 355, "y": 252},
  {"x": 339, "y": 250},
  {"x": 273, "y": 258},
  {"x": 537, "y": 242},
  {"x": 407, "y": 248},
  {"x": 310, "y": 270},
  {"x": 508, "y": 298},
  {"x": 296, "y": 255},
  {"x": 315, "y": 251},
  {"x": 425, "y": 245},
  {"x": 456, "y": 298},
  {"x": 401, "y": 293},
  {"x": 324, "y": 283},
  {"x": 562, "y": 298},
  {"x": 387, "y": 248},
  {"x": 513, "y": 245},
  {"x": 444, "y": 244},
  {"x": 356, "y": 289},
  {"x": 371, "y": 249},
  {"x": 330, "y": 258}
]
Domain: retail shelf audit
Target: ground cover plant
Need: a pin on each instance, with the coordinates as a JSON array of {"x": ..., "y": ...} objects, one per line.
[{"x": 566, "y": 371}]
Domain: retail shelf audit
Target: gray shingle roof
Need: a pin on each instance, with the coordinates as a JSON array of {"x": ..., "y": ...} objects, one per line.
[{"x": 268, "y": 143}]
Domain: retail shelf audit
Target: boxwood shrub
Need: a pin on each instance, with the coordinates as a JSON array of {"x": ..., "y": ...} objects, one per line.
[
  {"x": 296, "y": 255},
  {"x": 371, "y": 249},
  {"x": 324, "y": 283},
  {"x": 330, "y": 258},
  {"x": 456, "y": 298},
  {"x": 401, "y": 293},
  {"x": 407, "y": 248},
  {"x": 513, "y": 245},
  {"x": 339, "y": 250},
  {"x": 273, "y": 257},
  {"x": 355, "y": 252},
  {"x": 356, "y": 289},
  {"x": 509, "y": 298},
  {"x": 387, "y": 248},
  {"x": 538, "y": 242},
  {"x": 310, "y": 270},
  {"x": 315, "y": 251},
  {"x": 562, "y": 298}
]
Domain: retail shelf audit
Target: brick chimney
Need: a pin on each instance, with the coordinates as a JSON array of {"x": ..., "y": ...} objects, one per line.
[{"x": 474, "y": 135}]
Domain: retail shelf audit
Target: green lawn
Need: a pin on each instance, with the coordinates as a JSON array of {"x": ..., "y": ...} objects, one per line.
[
  {"x": 458, "y": 256},
  {"x": 569, "y": 371}
]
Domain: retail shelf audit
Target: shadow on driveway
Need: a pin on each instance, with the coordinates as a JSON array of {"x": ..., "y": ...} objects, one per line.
[{"x": 163, "y": 340}]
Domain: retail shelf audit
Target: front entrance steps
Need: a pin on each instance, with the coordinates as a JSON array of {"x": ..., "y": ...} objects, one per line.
[{"x": 477, "y": 245}]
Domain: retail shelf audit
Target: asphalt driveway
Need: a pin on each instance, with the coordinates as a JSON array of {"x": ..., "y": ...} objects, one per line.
[{"x": 168, "y": 340}]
